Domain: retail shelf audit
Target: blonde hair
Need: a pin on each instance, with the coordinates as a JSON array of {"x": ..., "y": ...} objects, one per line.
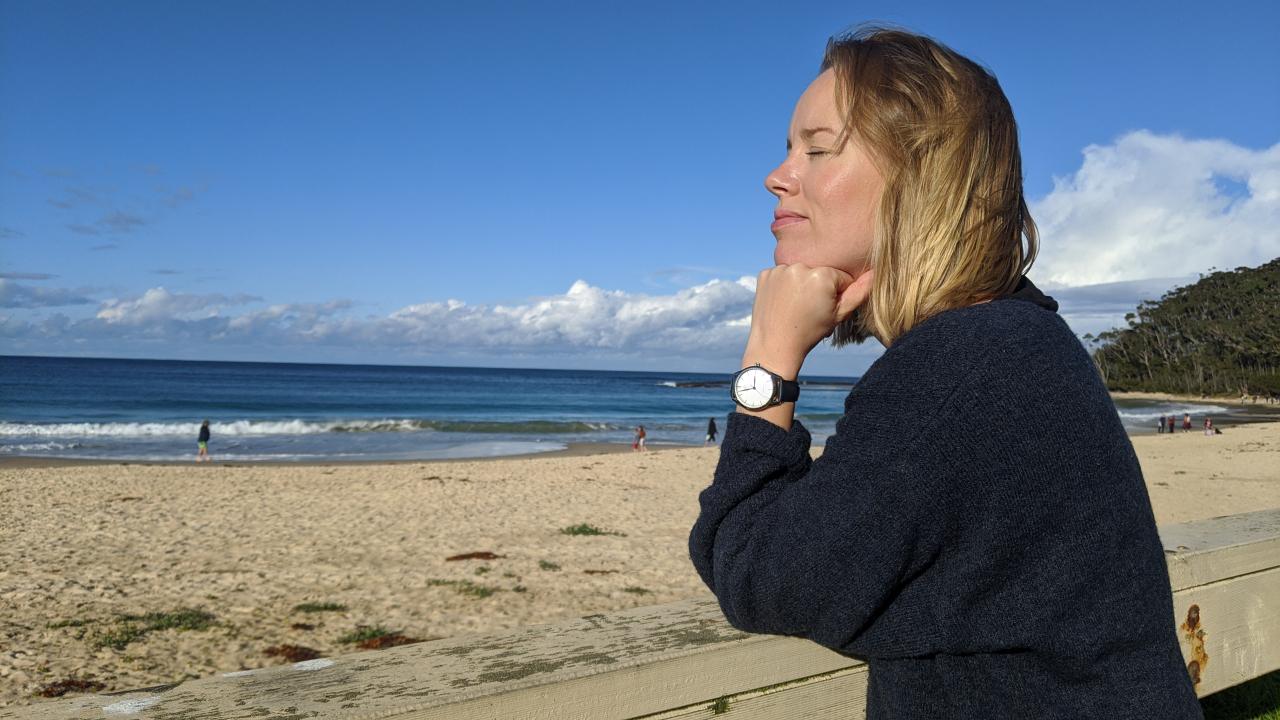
[{"x": 952, "y": 219}]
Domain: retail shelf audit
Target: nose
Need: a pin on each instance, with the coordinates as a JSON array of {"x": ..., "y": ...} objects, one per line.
[{"x": 782, "y": 180}]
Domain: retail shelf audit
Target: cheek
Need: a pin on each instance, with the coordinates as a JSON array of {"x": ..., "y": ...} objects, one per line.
[{"x": 844, "y": 203}]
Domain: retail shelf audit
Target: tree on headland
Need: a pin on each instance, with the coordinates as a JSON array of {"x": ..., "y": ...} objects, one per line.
[{"x": 1217, "y": 336}]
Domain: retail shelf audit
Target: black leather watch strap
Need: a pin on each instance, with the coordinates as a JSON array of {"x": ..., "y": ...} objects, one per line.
[{"x": 789, "y": 391}]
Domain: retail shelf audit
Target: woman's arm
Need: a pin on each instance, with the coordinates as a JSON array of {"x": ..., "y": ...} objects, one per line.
[
  {"x": 795, "y": 547},
  {"x": 818, "y": 549}
]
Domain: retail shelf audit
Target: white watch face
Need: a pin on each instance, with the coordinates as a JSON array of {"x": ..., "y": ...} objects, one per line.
[{"x": 753, "y": 388}]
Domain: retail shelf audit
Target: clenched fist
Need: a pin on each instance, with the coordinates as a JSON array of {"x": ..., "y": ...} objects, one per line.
[{"x": 796, "y": 306}]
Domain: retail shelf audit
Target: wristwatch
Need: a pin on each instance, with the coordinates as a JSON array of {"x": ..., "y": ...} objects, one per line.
[{"x": 756, "y": 388}]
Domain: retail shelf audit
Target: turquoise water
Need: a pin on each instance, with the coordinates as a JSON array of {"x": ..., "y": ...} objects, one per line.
[{"x": 151, "y": 409}]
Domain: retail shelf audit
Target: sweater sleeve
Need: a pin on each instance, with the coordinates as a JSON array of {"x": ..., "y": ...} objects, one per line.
[{"x": 818, "y": 549}]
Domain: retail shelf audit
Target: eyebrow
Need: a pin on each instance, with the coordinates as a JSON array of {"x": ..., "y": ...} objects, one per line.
[{"x": 807, "y": 134}]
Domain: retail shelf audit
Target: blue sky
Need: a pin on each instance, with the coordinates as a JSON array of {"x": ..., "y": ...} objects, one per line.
[{"x": 558, "y": 184}]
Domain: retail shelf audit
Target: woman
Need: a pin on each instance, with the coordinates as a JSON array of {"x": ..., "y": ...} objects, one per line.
[{"x": 950, "y": 535}]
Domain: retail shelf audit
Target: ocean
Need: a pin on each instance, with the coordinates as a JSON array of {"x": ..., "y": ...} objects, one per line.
[{"x": 151, "y": 409}]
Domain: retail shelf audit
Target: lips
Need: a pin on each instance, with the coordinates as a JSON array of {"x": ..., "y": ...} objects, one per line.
[{"x": 783, "y": 218}]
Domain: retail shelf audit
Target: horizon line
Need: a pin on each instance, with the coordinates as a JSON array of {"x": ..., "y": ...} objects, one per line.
[{"x": 388, "y": 365}]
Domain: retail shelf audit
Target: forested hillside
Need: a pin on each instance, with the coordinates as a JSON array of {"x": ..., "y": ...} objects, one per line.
[{"x": 1218, "y": 336}]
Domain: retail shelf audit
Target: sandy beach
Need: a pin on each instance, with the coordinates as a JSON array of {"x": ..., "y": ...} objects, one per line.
[{"x": 231, "y": 552}]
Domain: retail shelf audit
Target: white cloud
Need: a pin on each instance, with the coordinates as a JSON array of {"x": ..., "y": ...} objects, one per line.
[
  {"x": 158, "y": 304},
  {"x": 1159, "y": 206},
  {"x": 703, "y": 320},
  {"x": 586, "y": 317}
]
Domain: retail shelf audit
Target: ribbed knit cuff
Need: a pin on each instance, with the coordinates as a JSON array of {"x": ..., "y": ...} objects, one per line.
[{"x": 749, "y": 433}]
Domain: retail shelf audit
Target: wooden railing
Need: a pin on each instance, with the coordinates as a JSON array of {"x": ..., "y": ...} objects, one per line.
[{"x": 682, "y": 660}]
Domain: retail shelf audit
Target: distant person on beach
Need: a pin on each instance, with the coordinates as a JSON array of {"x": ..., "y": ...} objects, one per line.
[
  {"x": 1208, "y": 427},
  {"x": 1186, "y": 422},
  {"x": 1160, "y": 425},
  {"x": 202, "y": 442},
  {"x": 637, "y": 442},
  {"x": 711, "y": 431},
  {"x": 1170, "y": 424},
  {"x": 939, "y": 536}
]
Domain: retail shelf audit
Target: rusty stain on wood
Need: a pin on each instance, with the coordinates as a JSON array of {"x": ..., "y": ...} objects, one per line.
[{"x": 1195, "y": 636}]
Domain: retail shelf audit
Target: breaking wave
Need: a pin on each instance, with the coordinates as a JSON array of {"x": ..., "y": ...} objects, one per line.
[
  {"x": 1149, "y": 414},
  {"x": 258, "y": 428}
]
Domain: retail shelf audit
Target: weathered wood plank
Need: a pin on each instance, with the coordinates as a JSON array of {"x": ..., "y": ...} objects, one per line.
[
  {"x": 839, "y": 694},
  {"x": 655, "y": 658},
  {"x": 1233, "y": 635},
  {"x": 675, "y": 660},
  {"x": 1206, "y": 551},
  {"x": 653, "y": 687}
]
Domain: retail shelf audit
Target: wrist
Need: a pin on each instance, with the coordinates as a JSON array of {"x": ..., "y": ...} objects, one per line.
[{"x": 785, "y": 365}]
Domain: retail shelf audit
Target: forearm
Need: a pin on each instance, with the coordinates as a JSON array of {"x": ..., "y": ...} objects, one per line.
[
  {"x": 757, "y": 461},
  {"x": 814, "y": 549}
]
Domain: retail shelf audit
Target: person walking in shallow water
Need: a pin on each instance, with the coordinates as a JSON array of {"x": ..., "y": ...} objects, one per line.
[
  {"x": 1170, "y": 424},
  {"x": 1186, "y": 422},
  {"x": 711, "y": 431},
  {"x": 203, "y": 443},
  {"x": 1160, "y": 425}
]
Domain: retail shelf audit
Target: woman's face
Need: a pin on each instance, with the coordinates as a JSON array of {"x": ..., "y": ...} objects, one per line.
[{"x": 827, "y": 201}]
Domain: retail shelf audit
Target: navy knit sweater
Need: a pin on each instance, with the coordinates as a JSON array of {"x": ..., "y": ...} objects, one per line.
[{"x": 977, "y": 530}]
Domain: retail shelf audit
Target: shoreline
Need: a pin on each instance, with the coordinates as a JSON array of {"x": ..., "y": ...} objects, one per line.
[
  {"x": 17, "y": 462},
  {"x": 1266, "y": 413}
]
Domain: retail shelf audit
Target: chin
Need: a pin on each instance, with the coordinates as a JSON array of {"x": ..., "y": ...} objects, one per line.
[{"x": 785, "y": 259}]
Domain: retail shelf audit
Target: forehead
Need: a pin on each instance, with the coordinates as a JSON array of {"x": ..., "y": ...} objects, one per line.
[{"x": 817, "y": 106}]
